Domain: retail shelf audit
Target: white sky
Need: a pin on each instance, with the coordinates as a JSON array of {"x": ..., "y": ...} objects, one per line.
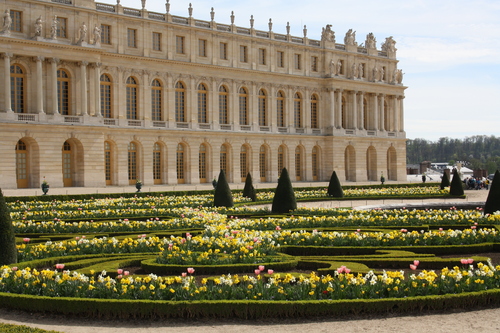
[{"x": 449, "y": 50}]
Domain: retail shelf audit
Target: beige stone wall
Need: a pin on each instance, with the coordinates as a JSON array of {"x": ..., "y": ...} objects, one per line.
[{"x": 356, "y": 113}]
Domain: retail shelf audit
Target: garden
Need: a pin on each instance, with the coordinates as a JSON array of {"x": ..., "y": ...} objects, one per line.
[{"x": 178, "y": 255}]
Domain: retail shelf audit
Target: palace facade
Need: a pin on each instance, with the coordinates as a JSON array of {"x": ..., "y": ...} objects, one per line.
[{"x": 100, "y": 95}]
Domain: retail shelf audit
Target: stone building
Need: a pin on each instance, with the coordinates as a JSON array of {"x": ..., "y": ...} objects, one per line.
[{"x": 100, "y": 95}]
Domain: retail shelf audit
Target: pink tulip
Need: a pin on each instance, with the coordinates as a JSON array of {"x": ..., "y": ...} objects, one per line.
[
  {"x": 416, "y": 262},
  {"x": 261, "y": 268},
  {"x": 26, "y": 240},
  {"x": 257, "y": 272},
  {"x": 59, "y": 266},
  {"x": 190, "y": 270},
  {"x": 14, "y": 268},
  {"x": 470, "y": 261},
  {"x": 413, "y": 267},
  {"x": 278, "y": 227},
  {"x": 119, "y": 271},
  {"x": 126, "y": 273},
  {"x": 119, "y": 276},
  {"x": 464, "y": 261},
  {"x": 358, "y": 230},
  {"x": 270, "y": 271},
  {"x": 183, "y": 274}
]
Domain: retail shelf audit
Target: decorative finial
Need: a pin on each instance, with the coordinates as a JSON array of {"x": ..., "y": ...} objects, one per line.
[
  {"x": 117, "y": 2},
  {"x": 270, "y": 25},
  {"x": 305, "y": 31},
  {"x": 212, "y": 14},
  {"x": 287, "y": 28},
  {"x": 167, "y": 6},
  {"x": 232, "y": 17},
  {"x": 143, "y": 2},
  {"x": 190, "y": 9},
  {"x": 251, "y": 21}
]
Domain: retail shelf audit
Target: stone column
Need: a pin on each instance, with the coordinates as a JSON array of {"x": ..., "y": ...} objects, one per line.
[
  {"x": 382, "y": 113},
  {"x": 95, "y": 91},
  {"x": 6, "y": 61},
  {"x": 54, "y": 62},
  {"x": 338, "y": 108},
  {"x": 401, "y": 114},
  {"x": 39, "y": 84},
  {"x": 375, "y": 124},
  {"x": 354, "y": 122},
  {"x": 361, "y": 119},
  {"x": 83, "y": 88},
  {"x": 331, "y": 116}
]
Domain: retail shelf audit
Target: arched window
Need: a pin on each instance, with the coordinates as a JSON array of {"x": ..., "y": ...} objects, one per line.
[
  {"x": 298, "y": 164},
  {"x": 243, "y": 163},
  {"x": 22, "y": 165},
  {"x": 315, "y": 163},
  {"x": 180, "y": 102},
  {"x": 108, "y": 163},
  {"x": 132, "y": 89},
  {"x": 17, "y": 89},
  {"x": 297, "y": 110},
  {"x": 106, "y": 96},
  {"x": 63, "y": 92},
  {"x": 263, "y": 163},
  {"x": 202, "y": 163},
  {"x": 132, "y": 163},
  {"x": 280, "y": 109},
  {"x": 202, "y": 104},
  {"x": 223, "y": 106},
  {"x": 281, "y": 159},
  {"x": 181, "y": 159},
  {"x": 157, "y": 164},
  {"x": 243, "y": 102},
  {"x": 314, "y": 111},
  {"x": 156, "y": 100},
  {"x": 224, "y": 159},
  {"x": 262, "y": 108},
  {"x": 68, "y": 166}
]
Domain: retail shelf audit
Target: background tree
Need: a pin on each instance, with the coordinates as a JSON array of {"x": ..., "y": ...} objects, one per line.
[
  {"x": 249, "y": 189},
  {"x": 334, "y": 187},
  {"x": 456, "y": 187},
  {"x": 493, "y": 201},
  {"x": 445, "y": 181},
  {"x": 223, "y": 196},
  {"x": 8, "y": 250},
  {"x": 284, "y": 197}
]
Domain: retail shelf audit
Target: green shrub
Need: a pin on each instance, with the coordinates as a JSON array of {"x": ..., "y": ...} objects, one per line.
[
  {"x": 334, "y": 187},
  {"x": 222, "y": 195},
  {"x": 456, "y": 187},
  {"x": 445, "y": 181},
  {"x": 249, "y": 189},
  {"x": 284, "y": 198},
  {"x": 493, "y": 201},
  {"x": 8, "y": 250}
]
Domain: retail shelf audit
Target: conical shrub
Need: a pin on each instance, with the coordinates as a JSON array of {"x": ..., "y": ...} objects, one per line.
[
  {"x": 493, "y": 201},
  {"x": 334, "y": 187},
  {"x": 8, "y": 250},
  {"x": 445, "y": 181},
  {"x": 249, "y": 190},
  {"x": 456, "y": 187},
  {"x": 284, "y": 197},
  {"x": 223, "y": 196}
]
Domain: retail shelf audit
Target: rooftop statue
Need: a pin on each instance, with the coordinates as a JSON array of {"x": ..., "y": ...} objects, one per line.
[
  {"x": 350, "y": 37},
  {"x": 328, "y": 34}
]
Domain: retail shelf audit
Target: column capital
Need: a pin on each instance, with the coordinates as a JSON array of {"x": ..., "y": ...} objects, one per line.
[
  {"x": 39, "y": 58},
  {"x": 83, "y": 63},
  {"x": 7, "y": 55},
  {"x": 54, "y": 60},
  {"x": 96, "y": 64}
]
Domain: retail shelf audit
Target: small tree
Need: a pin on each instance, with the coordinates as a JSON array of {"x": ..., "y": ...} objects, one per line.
[
  {"x": 493, "y": 201},
  {"x": 8, "y": 250},
  {"x": 284, "y": 197},
  {"x": 456, "y": 187},
  {"x": 445, "y": 181},
  {"x": 222, "y": 195},
  {"x": 249, "y": 190},
  {"x": 334, "y": 187}
]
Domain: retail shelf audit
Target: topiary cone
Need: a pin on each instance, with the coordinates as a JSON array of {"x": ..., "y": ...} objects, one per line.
[
  {"x": 284, "y": 197},
  {"x": 445, "y": 181},
  {"x": 8, "y": 250},
  {"x": 249, "y": 190},
  {"x": 334, "y": 187},
  {"x": 493, "y": 201},
  {"x": 222, "y": 195},
  {"x": 456, "y": 187}
]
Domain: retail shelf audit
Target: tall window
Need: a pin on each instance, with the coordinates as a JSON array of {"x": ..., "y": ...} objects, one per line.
[
  {"x": 315, "y": 163},
  {"x": 131, "y": 98},
  {"x": 280, "y": 59},
  {"x": 17, "y": 87},
  {"x": 243, "y": 102},
  {"x": 156, "y": 41},
  {"x": 157, "y": 164},
  {"x": 263, "y": 163},
  {"x": 224, "y": 159},
  {"x": 202, "y": 163},
  {"x": 17, "y": 21},
  {"x": 132, "y": 37},
  {"x": 262, "y": 56},
  {"x": 343, "y": 114},
  {"x": 180, "y": 102},
  {"x": 298, "y": 164},
  {"x": 297, "y": 111},
  {"x": 108, "y": 162},
  {"x": 63, "y": 92},
  {"x": 22, "y": 164},
  {"x": 156, "y": 100},
  {"x": 202, "y": 104},
  {"x": 281, "y": 159},
  {"x": 180, "y": 164},
  {"x": 223, "y": 102},
  {"x": 243, "y": 53},
  {"x": 179, "y": 44},
  {"x": 243, "y": 163},
  {"x": 202, "y": 47},
  {"x": 297, "y": 59},
  {"x": 132, "y": 163},
  {"x": 106, "y": 93},
  {"x": 62, "y": 27},
  {"x": 105, "y": 34},
  {"x": 223, "y": 51},
  {"x": 262, "y": 108},
  {"x": 314, "y": 64},
  {"x": 67, "y": 164},
  {"x": 280, "y": 109},
  {"x": 365, "y": 114},
  {"x": 314, "y": 111}
]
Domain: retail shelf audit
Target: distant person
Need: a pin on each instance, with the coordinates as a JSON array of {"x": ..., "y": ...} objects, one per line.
[{"x": 424, "y": 178}]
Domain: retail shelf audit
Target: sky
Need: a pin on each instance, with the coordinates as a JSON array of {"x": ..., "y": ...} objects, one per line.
[{"x": 449, "y": 50}]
